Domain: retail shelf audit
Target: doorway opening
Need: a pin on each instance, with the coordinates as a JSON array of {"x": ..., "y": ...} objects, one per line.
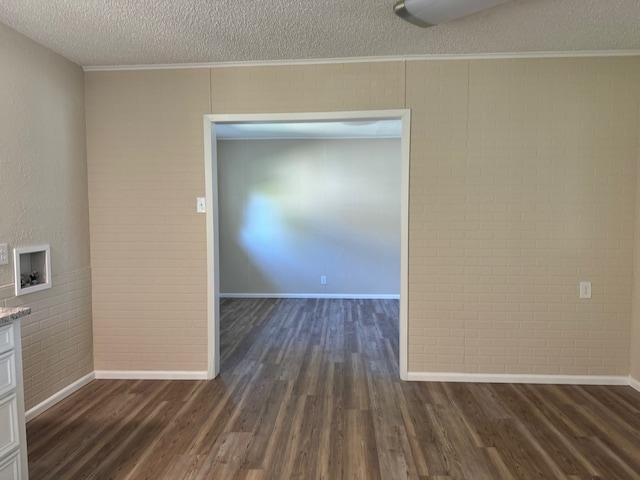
[{"x": 312, "y": 125}]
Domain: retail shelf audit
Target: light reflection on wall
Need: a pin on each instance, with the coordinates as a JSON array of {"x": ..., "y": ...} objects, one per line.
[{"x": 292, "y": 210}]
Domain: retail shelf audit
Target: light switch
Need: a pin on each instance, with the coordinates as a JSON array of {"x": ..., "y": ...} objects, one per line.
[
  {"x": 201, "y": 206},
  {"x": 4, "y": 254}
]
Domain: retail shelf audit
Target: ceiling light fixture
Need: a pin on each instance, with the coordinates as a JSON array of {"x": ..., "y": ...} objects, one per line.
[{"x": 427, "y": 13}]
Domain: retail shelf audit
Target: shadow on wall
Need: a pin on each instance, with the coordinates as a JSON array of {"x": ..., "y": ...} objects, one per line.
[{"x": 293, "y": 210}]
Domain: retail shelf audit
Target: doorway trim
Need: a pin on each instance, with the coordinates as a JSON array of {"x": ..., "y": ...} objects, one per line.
[{"x": 211, "y": 194}]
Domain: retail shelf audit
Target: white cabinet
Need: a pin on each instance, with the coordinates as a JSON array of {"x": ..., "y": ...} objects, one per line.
[
  {"x": 9, "y": 430},
  {"x": 7, "y": 372},
  {"x": 13, "y": 438},
  {"x": 10, "y": 467}
]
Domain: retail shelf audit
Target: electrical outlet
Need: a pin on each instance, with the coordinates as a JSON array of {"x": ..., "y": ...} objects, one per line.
[
  {"x": 323, "y": 279},
  {"x": 4, "y": 254},
  {"x": 585, "y": 289}
]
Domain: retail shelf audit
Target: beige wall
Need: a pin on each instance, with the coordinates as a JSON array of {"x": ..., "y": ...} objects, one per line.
[
  {"x": 293, "y": 210},
  {"x": 145, "y": 155},
  {"x": 145, "y": 146},
  {"x": 522, "y": 183},
  {"x": 635, "y": 310},
  {"x": 43, "y": 194},
  {"x": 308, "y": 88}
]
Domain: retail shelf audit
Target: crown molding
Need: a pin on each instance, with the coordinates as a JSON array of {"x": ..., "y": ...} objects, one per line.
[{"x": 400, "y": 58}]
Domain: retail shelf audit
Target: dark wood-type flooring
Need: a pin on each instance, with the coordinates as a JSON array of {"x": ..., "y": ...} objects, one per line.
[{"x": 309, "y": 389}]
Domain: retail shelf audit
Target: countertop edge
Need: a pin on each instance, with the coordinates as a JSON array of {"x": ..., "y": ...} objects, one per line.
[{"x": 9, "y": 314}]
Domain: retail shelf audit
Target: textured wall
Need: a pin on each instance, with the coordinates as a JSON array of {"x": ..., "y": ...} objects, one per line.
[
  {"x": 635, "y": 311},
  {"x": 522, "y": 184},
  {"x": 145, "y": 146},
  {"x": 43, "y": 196},
  {"x": 57, "y": 340},
  {"x": 293, "y": 210},
  {"x": 145, "y": 155},
  {"x": 437, "y": 93},
  {"x": 308, "y": 88}
]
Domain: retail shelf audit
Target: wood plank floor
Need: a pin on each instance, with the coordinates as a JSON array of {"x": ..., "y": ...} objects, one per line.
[{"x": 310, "y": 390}]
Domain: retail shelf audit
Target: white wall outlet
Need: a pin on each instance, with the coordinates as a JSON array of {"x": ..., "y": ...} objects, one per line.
[
  {"x": 4, "y": 254},
  {"x": 585, "y": 289},
  {"x": 323, "y": 279},
  {"x": 201, "y": 205}
]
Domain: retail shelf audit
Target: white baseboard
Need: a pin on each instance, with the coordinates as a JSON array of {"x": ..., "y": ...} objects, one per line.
[
  {"x": 58, "y": 396},
  {"x": 357, "y": 296},
  {"x": 411, "y": 376},
  {"x": 513, "y": 378},
  {"x": 149, "y": 375}
]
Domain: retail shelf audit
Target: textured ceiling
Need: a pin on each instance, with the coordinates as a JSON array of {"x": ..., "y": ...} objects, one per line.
[{"x": 139, "y": 32}]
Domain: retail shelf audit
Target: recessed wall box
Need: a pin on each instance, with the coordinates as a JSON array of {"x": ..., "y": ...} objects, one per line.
[{"x": 32, "y": 269}]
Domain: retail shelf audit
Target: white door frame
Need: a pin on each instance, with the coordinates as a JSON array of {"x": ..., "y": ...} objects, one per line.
[{"x": 211, "y": 192}]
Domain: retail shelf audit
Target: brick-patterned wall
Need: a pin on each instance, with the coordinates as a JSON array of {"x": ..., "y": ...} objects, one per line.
[
  {"x": 437, "y": 94},
  {"x": 145, "y": 149},
  {"x": 308, "y": 88},
  {"x": 148, "y": 252},
  {"x": 43, "y": 196},
  {"x": 57, "y": 336},
  {"x": 634, "y": 370},
  {"x": 522, "y": 184}
]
